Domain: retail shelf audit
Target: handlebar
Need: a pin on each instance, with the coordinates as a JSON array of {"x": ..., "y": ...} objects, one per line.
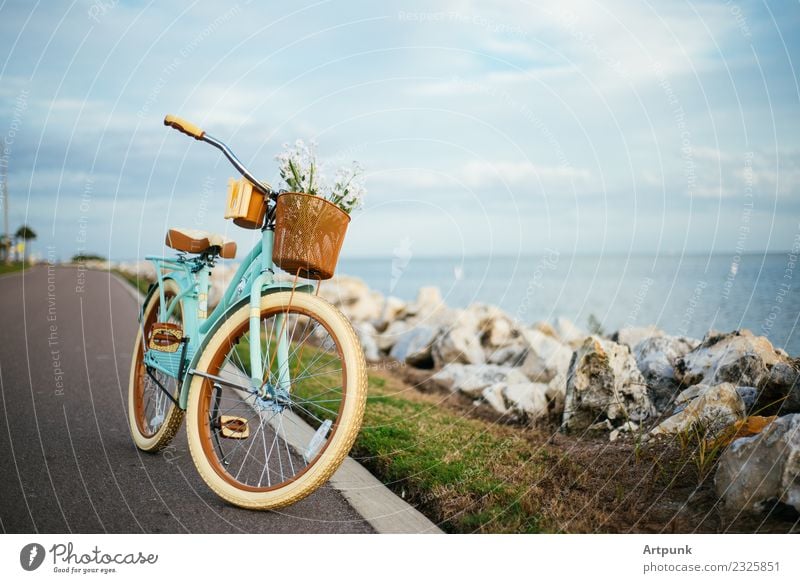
[
  {"x": 184, "y": 126},
  {"x": 195, "y": 132}
]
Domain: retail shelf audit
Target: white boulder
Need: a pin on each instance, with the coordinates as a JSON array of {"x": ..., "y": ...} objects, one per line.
[
  {"x": 459, "y": 343},
  {"x": 367, "y": 335},
  {"x": 633, "y": 335},
  {"x": 756, "y": 472},
  {"x": 353, "y": 297},
  {"x": 604, "y": 384},
  {"x": 712, "y": 409},
  {"x": 527, "y": 399},
  {"x": 471, "y": 379},
  {"x": 737, "y": 357},
  {"x": 656, "y": 357},
  {"x": 569, "y": 333},
  {"x": 414, "y": 346},
  {"x": 546, "y": 357}
]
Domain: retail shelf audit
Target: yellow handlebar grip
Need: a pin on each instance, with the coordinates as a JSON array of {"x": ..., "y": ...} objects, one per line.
[{"x": 184, "y": 126}]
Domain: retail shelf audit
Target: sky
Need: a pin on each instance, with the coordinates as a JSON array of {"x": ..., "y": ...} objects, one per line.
[{"x": 506, "y": 127}]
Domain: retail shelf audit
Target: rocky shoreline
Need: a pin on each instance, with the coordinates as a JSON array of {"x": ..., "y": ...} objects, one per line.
[{"x": 732, "y": 391}]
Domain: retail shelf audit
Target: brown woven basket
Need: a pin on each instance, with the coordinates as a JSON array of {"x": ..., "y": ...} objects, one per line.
[{"x": 309, "y": 232}]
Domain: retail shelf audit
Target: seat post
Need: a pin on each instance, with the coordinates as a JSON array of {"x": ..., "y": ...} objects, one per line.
[{"x": 203, "y": 285}]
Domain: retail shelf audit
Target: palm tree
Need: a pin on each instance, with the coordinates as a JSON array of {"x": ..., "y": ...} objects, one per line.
[
  {"x": 26, "y": 234},
  {"x": 5, "y": 248}
]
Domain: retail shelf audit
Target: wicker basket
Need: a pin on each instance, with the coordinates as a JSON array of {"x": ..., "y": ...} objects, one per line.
[
  {"x": 309, "y": 232},
  {"x": 245, "y": 206}
]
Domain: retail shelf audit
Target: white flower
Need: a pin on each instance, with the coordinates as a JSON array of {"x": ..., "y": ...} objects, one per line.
[{"x": 300, "y": 172}]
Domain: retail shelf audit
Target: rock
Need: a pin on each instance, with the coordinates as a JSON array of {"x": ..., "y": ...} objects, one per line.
[
  {"x": 498, "y": 332},
  {"x": 393, "y": 309},
  {"x": 713, "y": 409},
  {"x": 604, "y": 384},
  {"x": 428, "y": 302},
  {"x": 414, "y": 346},
  {"x": 556, "y": 393},
  {"x": 755, "y": 472},
  {"x": 392, "y": 334},
  {"x": 527, "y": 399},
  {"x": 511, "y": 355},
  {"x": 746, "y": 427},
  {"x": 746, "y": 360},
  {"x": 569, "y": 333},
  {"x": 748, "y": 395},
  {"x": 780, "y": 389},
  {"x": 353, "y": 298},
  {"x": 546, "y": 356},
  {"x": 627, "y": 427},
  {"x": 656, "y": 357},
  {"x": 634, "y": 335},
  {"x": 459, "y": 343},
  {"x": 686, "y": 396},
  {"x": 493, "y": 395},
  {"x": 367, "y": 335},
  {"x": 471, "y": 379},
  {"x": 496, "y": 328},
  {"x": 600, "y": 426},
  {"x": 546, "y": 328},
  {"x": 738, "y": 357}
]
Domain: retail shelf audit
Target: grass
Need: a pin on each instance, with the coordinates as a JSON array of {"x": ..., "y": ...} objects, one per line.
[
  {"x": 137, "y": 282},
  {"x": 11, "y": 267},
  {"x": 472, "y": 474},
  {"x": 464, "y": 473},
  {"x": 464, "y": 476}
]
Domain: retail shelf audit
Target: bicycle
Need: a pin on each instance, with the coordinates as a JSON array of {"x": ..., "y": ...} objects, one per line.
[{"x": 273, "y": 381}]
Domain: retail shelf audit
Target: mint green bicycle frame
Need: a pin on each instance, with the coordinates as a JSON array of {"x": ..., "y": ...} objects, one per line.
[{"x": 254, "y": 279}]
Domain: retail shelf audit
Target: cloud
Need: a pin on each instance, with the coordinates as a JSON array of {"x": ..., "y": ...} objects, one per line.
[
  {"x": 742, "y": 175},
  {"x": 497, "y": 175},
  {"x": 513, "y": 98}
]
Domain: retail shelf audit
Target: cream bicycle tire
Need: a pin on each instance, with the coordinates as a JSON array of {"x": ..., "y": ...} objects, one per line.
[{"x": 347, "y": 427}]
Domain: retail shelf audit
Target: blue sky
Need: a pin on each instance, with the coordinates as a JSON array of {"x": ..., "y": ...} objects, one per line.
[{"x": 485, "y": 127}]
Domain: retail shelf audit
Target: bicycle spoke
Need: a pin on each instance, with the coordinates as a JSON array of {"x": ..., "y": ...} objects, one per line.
[{"x": 265, "y": 456}]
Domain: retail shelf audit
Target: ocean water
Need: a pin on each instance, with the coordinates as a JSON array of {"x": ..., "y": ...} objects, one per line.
[{"x": 682, "y": 295}]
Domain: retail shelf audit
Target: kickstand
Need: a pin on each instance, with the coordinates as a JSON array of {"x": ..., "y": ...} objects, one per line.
[{"x": 160, "y": 386}]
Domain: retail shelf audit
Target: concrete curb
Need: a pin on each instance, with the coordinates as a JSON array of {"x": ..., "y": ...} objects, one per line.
[{"x": 386, "y": 512}]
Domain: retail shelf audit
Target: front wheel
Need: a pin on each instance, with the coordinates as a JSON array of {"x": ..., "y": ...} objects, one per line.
[{"x": 272, "y": 444}]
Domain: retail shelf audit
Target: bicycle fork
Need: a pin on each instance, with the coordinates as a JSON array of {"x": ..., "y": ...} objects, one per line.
[{"x": 262, "y": 363}]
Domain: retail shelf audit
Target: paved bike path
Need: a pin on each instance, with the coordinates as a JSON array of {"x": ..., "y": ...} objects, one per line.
[{"x": 68, "y": 463}]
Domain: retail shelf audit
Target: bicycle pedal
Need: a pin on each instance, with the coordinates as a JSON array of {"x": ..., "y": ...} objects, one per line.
[
  {"x": 234, "y": 427},
  {"x": 165, "y": 337}
]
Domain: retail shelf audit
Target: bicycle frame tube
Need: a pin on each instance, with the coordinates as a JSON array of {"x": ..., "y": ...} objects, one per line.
[
  {"x": 241, "y": 275},
  {"x": 254, "y": 277}
]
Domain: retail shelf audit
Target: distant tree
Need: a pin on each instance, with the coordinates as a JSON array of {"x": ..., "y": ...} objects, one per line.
[
  {"x": 5, "y": 248},
  {"x": 84, "y": 257},
  {"x": 26, "y": 234}
]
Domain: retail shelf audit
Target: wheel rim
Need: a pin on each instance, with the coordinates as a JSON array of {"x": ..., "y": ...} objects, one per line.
[
  {"x": 261, "y": 443},
  {"x": 151, "y": 405}
]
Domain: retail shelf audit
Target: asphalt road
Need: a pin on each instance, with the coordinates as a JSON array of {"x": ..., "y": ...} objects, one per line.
[{"x": 67, "y": 461}]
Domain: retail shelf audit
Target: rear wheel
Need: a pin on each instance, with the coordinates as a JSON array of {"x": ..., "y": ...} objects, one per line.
[
  {"x": 153, "y": 418},
  {"x": 271, "y": 445}
]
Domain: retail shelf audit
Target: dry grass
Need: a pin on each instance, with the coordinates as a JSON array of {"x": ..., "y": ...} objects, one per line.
[{"x": 472, "y": 471}]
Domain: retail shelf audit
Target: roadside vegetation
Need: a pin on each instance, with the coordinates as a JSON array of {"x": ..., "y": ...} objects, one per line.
[
  {"x": 11, "y": 267},
  {"x": 469, "y": 472},
  {"x": 137, "y": 282}
]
